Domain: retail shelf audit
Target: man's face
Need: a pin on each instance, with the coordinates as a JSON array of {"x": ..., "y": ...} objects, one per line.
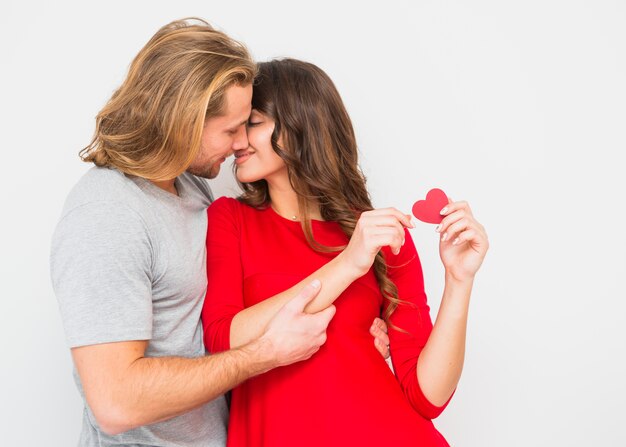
[{"x": 225, "y": 134}]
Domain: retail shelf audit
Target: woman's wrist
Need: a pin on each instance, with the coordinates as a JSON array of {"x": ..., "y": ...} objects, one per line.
[
  {"x": 456, "y": 295},
  {"x": 459, "y": 279},
  {"x": 346, "y": 268}
]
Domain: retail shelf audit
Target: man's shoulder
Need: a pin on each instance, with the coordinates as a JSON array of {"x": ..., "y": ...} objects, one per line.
[
  {"x": 102, "y": 185},
  {"x": 103, "y": 201}
]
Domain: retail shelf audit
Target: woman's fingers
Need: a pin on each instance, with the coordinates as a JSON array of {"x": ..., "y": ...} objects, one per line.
[
  {"x": 454, "y": 212},
  {"x": 444, "y": 227},
  {"x": 455, "y": 206},
  {"x": 464, "y": 236},
  {"x": 382, "y": 237},
  {"x": 376, "y": 229},
  {"x": 384, "y": 220},
  {"x": 476, "y": 237},
  {"x": 457, "y": 227},
  {"x": 405, "y": 219}
]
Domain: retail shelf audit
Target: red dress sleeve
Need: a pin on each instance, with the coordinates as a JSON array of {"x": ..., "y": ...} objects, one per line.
[
  {"x": 405, "y": 270},
  {"x": 224, "y": 296}
]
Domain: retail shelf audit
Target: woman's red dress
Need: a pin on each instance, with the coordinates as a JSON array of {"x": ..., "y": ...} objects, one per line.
[{"x": 345, "y": 395}]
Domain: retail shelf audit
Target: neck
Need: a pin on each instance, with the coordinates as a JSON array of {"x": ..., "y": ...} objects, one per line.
[
  {"x": 167, "y": 185},
  {"x": 284, "y": 200}
]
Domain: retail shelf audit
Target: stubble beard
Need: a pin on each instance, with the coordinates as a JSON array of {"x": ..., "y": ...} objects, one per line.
[{"x": 208, "y": 171}]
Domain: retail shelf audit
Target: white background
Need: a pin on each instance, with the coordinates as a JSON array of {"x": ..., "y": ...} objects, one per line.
[{"x": 517, "y": 107}]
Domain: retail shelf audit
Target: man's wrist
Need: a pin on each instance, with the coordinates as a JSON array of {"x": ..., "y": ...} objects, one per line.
[{"x": 260, "y": 356}]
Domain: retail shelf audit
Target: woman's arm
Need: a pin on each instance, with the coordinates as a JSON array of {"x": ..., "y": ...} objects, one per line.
[
  {"x": 430, "y": 362},
  {"x": 441, "y": 361},
  {"x": 374, "y": 230},
  {"x": 462, "y": 248},
  {"x": 224, "y": 303}
]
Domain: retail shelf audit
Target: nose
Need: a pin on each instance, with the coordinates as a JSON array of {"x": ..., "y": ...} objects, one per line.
[{"x": 241, "y": 139}]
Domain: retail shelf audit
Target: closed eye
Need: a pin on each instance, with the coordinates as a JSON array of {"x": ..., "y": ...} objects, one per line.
[{"x": 232, "y": 132}]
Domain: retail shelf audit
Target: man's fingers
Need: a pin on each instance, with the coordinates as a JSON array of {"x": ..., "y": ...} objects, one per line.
[
  {"x": 326, "y": 315},
  {"x": 306, "y": 295},
  {"x": 382, "y": 349},
  {"x": 379, "y": 335},
  {"x": 381, "y": 324}
]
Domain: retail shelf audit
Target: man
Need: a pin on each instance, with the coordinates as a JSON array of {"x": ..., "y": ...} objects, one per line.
[{"x": 128, "y": 255}]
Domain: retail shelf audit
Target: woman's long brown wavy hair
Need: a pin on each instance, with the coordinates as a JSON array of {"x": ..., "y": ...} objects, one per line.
[
  {"x": 320, "y": 153},
  {"x": 152, "y": 125}
]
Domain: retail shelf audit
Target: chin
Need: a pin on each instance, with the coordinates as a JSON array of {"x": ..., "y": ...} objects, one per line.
[
  {"x": 209, "y": 172},
  {"x": 246, "y": 178}
]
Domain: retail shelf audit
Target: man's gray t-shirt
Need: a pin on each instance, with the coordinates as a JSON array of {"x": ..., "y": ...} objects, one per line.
[{"x": 128, "y": 263}]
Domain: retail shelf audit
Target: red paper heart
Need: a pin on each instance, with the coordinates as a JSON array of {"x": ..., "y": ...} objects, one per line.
[{"x": 428, "y": 210}]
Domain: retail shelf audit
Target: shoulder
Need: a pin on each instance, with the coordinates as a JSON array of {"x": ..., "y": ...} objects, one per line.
[
  {"x": 100, "y": 189},
  {"x": 228, "y": 211},
  {"x": 101, "y": 224},
  {"x": 224, "y": 211},
  {"x": 225, "y": 205},
  {"x": 103, "y": 205}
]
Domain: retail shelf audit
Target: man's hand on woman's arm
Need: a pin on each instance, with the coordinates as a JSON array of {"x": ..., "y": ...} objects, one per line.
[
  {"x": 125, "y": 389},
  {"x": 375, "y": 229}
]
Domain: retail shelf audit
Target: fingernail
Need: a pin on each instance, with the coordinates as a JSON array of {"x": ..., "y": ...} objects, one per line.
[
  {"x": 444, "y": 237},
  {"x": 412, "y": 223},
  {"x": 444, "y": 210},
  {"x": 316, "y": 284},
  {"x": 403, "y": 241},
  {"x": 438, "y": 228},
  {"x": 456, "y": 241}
]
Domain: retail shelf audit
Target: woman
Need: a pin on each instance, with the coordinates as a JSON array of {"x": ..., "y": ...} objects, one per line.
[{"x": 304, "y": 214}]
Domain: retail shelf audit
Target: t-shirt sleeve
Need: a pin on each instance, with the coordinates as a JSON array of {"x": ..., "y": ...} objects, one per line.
[
  {"x": 405, "y": 270},
  {"x": 224, "y": 297},
  {"x": 100, "y": 264}
]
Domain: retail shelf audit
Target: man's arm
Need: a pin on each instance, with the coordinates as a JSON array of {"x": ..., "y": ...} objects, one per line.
[{"x": 126, "y": 390}]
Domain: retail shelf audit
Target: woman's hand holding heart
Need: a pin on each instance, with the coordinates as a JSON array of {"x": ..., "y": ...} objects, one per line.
[{"x": 463, "y": 243}]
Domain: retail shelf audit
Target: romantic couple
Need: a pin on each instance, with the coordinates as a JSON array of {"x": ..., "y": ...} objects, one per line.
[{"x": 275, "y": 295}]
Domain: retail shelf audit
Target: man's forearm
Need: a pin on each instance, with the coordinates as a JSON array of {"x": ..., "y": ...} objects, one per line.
[
  {"x": 250, "y": 323},
  {"x": 156, "y": 389}
]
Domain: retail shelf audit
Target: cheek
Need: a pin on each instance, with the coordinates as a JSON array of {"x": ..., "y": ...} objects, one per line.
[
  {"x": 261, "y": 138},
  {"x": 266, "y": 134},
  {"x": 214, "y": 146}
]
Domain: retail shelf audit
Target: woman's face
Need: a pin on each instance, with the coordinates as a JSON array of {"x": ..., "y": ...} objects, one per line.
[{"x": 259, "y": 161}]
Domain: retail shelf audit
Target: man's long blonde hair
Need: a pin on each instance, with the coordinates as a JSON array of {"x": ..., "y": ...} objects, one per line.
[{"x": 152, "y": 125}]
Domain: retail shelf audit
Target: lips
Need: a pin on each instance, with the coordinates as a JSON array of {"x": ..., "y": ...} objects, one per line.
[{"x": 242, "y": 155}]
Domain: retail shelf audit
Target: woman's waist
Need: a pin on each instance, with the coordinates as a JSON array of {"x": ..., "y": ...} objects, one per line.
[{"x": 346, "y": 362}]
